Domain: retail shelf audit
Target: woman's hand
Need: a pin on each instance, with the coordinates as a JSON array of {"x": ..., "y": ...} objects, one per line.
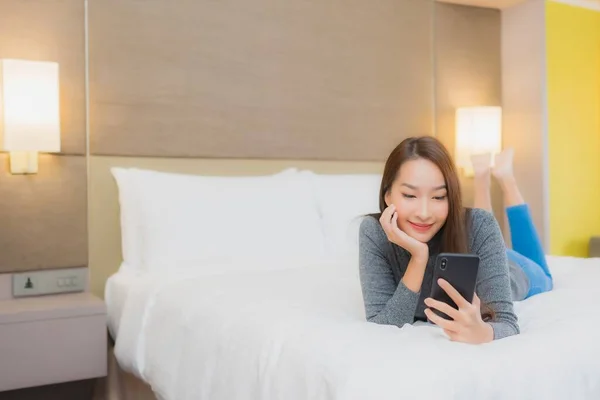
[
  {"x": 389, "y": 222},
  {"x": 467, "y": 325}
]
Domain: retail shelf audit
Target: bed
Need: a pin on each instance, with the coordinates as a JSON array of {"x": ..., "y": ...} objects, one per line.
[{"x": 195, "y": 321}]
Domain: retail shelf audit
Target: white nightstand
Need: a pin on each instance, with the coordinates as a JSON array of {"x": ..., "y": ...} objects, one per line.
[{"x": 52, "y": 339}]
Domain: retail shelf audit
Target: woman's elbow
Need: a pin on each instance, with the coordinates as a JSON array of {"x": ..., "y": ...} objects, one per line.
[
  {"x": 503, "y": 329},
  {"x": 382, "y": 319}
]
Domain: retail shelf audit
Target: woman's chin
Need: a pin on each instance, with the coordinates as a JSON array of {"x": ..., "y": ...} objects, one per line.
[{"x": 423, "y": 237}]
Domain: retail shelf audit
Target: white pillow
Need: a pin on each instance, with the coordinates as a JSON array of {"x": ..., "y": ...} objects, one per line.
[
  {"x": 130, "y": 231},
  {"x": 130, "y": 219},
  {"x": 190, "y": 221},
  {"x": 342, "y": 202}
]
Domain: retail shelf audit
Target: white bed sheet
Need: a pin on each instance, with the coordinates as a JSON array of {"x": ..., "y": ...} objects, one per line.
[
  {"x": 115, "y": 295},
  {"x": 301, "y": 334}
]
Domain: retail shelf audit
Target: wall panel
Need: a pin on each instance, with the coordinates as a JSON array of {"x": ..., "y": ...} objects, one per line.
[{"x": 261, "y": 79}]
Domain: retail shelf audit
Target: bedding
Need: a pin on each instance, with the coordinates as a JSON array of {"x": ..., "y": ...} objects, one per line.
[
  {"x": 164, "y": 216},
  {"x": 115, "y": 295},
  {"x": 299, "y": 333},
  {"x": 187, "y": 221},
  {"x": 341, "y": 201}
]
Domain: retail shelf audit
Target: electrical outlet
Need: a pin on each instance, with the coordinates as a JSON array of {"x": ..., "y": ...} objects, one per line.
[{"x": 36, "y": 283}]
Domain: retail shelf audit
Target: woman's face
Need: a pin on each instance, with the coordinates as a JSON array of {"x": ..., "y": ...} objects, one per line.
[{"x": 420, "y": 196}]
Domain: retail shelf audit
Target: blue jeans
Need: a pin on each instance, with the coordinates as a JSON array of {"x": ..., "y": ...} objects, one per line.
[{"x": 527, "y": 251}]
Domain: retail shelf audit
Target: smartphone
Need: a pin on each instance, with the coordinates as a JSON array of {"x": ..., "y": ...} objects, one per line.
[{"x": 460, "y": 270}]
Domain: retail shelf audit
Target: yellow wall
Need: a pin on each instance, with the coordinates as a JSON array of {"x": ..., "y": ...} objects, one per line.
[{"x": 573, "y": 67}]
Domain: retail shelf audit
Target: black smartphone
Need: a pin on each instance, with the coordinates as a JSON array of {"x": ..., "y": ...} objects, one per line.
[{"x": 460, "y": 270}]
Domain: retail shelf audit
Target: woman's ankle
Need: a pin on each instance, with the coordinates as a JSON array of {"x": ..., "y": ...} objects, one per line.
[{"x": 503, "y": 165}]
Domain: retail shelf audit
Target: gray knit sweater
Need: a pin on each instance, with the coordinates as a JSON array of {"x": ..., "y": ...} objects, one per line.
[{"x": 383, "y": 264}]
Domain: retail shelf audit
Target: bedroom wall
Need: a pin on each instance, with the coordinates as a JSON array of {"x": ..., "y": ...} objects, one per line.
[
  {"x": 573, "y": 51},
  {"x": 144, "y": 113},
  {"x": 467, "y": 73},
  {"x": 524, "y": 104},
  {"x": 255, "y": 88},
  {"x": 44, "y": 216},
  {"x": 249, "y": 90},
  {"x": 236, "y": 79},
  {"x": 551, "y": 103}
]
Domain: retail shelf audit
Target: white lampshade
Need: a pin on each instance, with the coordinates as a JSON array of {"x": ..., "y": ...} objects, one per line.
[
  {"x": 29, "y": 106},
  {"x": 478, "y": 131}
]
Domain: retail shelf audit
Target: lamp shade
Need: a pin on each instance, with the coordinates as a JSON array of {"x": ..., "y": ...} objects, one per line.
[
  {"x": 29, "y": 106},
  {"x": 478, "y": 130}
]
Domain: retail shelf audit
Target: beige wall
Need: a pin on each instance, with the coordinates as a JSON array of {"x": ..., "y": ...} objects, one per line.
[
  {"x": 44, "y": 216},
  {"x": 233, "y": 83},
  {"x": 302, "y": 80},
  {"x": 52, "y": 30},
  {"x": 524, "y": 104},
  {"x": 462, "y": 65},
  {"x": 467, "y": 73}
]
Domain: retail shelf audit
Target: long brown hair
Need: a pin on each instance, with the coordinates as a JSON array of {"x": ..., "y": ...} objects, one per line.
[{"x": 454, "y": 233}]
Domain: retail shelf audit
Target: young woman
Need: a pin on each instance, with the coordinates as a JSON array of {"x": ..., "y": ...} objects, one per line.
[
  {"x": 526, "y": 260},
  {"x": 422, "y": 215}
]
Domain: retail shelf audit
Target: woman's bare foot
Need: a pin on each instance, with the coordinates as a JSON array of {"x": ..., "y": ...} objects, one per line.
[
  {"x": 503, "y": 172},
  {"x": 482, "y": 163},
  {"x": 503, "y": 164}
]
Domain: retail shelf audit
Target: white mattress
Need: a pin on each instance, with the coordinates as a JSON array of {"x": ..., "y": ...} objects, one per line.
[{"x": 301, "y": 334}]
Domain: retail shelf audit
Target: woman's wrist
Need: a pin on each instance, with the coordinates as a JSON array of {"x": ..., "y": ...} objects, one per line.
[
  {"x": 413, "y": 277},
  {"x": 420, "y": 255},
  {"x": 488, "y": 332}
]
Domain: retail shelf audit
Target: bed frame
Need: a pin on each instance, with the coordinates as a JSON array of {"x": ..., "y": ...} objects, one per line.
[{"x": 121, "y": 385}]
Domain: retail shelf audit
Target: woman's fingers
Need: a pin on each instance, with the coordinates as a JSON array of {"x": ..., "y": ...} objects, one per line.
[
  {"x": 453, "y": 336},
  {"x": 386, "y": 217},
  {"x": 441, "y": 322},
  {"x": 389, "y": 222},
  {"x": 476, "y": 301},
  {"x": 388, "y": 212},
  {"x": 397, "y": 231},
  {"x": 464, "y": 327},
  {"x": 443, "y": 307},
  {"x": 453, "y": 293}
]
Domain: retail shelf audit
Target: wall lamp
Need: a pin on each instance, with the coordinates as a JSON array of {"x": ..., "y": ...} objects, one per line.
[
  {"x": 478, "y": 131},
  {"x": 29, "y": 112}
]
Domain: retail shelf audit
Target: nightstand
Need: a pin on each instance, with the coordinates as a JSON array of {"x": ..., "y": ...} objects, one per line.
[{"x": 52, "y": 339}]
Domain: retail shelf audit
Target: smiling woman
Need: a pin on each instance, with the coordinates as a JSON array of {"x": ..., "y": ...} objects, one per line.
[
  {"x": 421, "y": 216},
  {"x": 421, "y": 210},
  {"x": 421, "y": 182}
]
